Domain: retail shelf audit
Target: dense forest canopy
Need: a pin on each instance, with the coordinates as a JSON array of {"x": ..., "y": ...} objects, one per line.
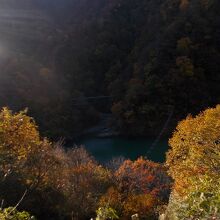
[
  {"x": 149, "y": 56},
  {"x": 147, "y": 64},
  {"x": 52, "y": 182}
]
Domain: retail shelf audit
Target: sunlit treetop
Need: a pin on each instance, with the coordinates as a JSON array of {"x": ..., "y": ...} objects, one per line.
[
  {"x": 195, "y": 149},
  {"x": 21, "y": 146}
]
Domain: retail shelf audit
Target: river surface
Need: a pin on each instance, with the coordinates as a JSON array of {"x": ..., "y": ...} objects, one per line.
[{"x": 106, "y": 148}]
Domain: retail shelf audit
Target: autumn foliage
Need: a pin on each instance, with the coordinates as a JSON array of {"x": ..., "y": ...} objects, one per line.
[
  {"x": 139, "y": 187},
  {"x": 68, "y": 183},
  {"x": 193, "y": 163},
  {"x": 195, "y": 149}
]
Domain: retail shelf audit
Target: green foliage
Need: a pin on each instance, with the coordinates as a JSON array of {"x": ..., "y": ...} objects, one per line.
[
  {"x": 203, "y": 202},
  {"x": 12, "y": 214},
  {"x": 104, "y": 213}
]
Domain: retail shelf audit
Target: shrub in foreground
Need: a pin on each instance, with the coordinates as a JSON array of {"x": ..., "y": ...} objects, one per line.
[{"x": 193, "y": 163}]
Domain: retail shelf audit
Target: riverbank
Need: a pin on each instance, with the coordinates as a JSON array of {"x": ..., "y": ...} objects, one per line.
[{"x": 103, "y": 128}]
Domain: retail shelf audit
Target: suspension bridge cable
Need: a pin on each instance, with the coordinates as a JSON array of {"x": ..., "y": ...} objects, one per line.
[
  {"x": 91, "y": 97},
  {"x": 154, "y": 144},
  {"x": 82, "y": 100}
]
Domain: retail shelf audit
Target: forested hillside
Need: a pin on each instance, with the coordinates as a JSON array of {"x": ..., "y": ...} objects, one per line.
[
  {"x": 150, "y": 56},
  {"x": 138, "y": 66},
  {"x": 54, "y": 183}
]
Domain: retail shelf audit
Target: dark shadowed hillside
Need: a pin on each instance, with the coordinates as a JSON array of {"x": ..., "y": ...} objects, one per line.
[
  {"x": 151, "y": 56},
  {"x": 118, "y": 77}
]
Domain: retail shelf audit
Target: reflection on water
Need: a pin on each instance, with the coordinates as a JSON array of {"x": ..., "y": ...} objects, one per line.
[{"x": 104, "y": 149}]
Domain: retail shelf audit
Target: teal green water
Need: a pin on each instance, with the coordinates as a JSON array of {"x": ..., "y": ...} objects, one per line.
[{"x": 104, "y": 149}]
